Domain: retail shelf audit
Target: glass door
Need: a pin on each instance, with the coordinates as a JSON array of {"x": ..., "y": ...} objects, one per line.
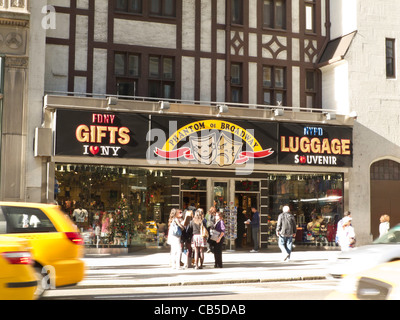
[{"x": 220, "y": 194}]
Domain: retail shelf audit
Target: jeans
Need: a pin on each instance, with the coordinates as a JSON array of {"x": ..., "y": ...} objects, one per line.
[
  {"x": 285, "y": 244},
  {"x": 254, "y": 234}
]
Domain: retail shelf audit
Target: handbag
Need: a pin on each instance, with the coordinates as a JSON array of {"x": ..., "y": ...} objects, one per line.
[
  {"x": 203, "y": 231},
  {"x": 176, "y": 231},
  {"x": 214, "y": 234}
]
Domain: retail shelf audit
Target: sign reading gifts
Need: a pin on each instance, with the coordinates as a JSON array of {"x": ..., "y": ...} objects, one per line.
[{"x": 97, "y": 134}]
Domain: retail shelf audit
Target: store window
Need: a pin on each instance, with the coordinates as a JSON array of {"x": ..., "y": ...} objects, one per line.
[
  {"x": 316, "y": 200},
  {"x": 128, "y": 206}
]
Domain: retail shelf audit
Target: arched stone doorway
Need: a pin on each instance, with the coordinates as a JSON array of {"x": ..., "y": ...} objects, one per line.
[{"x": 385, "y": 193}]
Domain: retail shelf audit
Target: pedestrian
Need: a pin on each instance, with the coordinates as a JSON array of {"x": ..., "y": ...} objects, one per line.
[
  {"x": 210, "y": 218},
  {"x": 339, "y": 227},
  {"x": 347, "y": 236},
  {"x": 175, "y": 228},
  {"x": 198, "y": 241},
  {"x": 384, "y": 225},
  {"x": 255, "y": 227},
  {"x": 286, "y": 230},
  {"x": 220, "y": 228},
  {"x": 186, "y": 238}
]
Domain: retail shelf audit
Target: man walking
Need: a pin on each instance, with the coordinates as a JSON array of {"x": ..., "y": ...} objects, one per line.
[{"x": 286, "y": 230}]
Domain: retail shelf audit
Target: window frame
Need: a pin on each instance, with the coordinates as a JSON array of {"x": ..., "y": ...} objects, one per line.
[
  {"x": 237, "y": 87},
  {"x": 311, "y": 91},
  {"x": 273, "y": 15},
  {"x": 237, "y": 19},
  {"x": 162, "y": 11},
  {"x": 128, "y": 7},
  {"x": 312, "y": 5},
  {"x": 273, "y": 89},
  {"x": 162, "y": 82},
  {"x": 390, "y": 74},
  {"x": 126, "y": 77}
]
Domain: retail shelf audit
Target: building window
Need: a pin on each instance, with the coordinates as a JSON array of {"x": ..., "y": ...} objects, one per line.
[
  {"x": 310, "y": 16},
  {"x": 161, "y": 77},
  {"x": 237, "y": 11},
  {"x": 274, "y": 14},
  {"x": 274, "y": 85},
  {"x": 132, "y": 6},
  {"x": 165, "y": 8},
  {"x": 311, "y": 89},
  {"x": 390, "y": 58},
  {"x": 236, "y": 82},
  {"x": 126, "y": 70}
]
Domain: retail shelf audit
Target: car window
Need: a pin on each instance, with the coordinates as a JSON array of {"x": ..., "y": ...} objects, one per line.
[
  {"x": 26, "y": 220},
  {"x": 393, "y": 236}
]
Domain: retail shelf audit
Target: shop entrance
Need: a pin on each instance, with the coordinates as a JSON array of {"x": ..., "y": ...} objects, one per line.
[{"x": 244, "y": 202}]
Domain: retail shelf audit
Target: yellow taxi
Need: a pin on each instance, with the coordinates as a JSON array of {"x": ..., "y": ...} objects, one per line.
[
  {"x": 56, "y": 245},
  {"x": 17, "y": 277},
  {"x": 381, "y": 282},
  {"x": 151, "y": 227}
]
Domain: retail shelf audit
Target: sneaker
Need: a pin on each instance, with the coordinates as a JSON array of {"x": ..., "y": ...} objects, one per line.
[{"x": 253, "y": 251}]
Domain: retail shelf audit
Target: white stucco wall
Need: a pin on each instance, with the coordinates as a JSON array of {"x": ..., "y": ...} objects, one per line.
[{"x": 359, "y": 84}]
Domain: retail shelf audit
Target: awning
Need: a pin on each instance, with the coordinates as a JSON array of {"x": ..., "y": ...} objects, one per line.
[{"x": 336, "y": 50}]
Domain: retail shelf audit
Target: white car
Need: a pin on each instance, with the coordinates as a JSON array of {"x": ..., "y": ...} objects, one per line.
[{"x": 384, "y": 249}]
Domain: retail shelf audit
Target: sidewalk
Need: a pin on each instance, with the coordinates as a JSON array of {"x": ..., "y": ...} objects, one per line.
[{"x": 151, "y": 268}]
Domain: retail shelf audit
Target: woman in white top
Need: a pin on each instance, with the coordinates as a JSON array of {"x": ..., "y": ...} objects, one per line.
[
  {"x": 384, "y": 225},
  {"x": 347, "y": 236},
  {"x": 175, "y": 218}
]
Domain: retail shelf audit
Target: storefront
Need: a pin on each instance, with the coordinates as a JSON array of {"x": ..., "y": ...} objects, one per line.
[{"x": 122, "y": 173}]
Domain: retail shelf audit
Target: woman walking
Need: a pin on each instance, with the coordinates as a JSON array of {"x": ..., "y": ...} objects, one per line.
[
  {"x": 175, "y": 228},
  {"x": 198, "y": 240}
]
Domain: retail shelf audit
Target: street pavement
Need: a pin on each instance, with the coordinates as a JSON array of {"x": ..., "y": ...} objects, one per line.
[{"x": 150, "y": 267}]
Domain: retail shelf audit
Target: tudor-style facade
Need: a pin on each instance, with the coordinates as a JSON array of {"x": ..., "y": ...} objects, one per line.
[{"x": 252, "y": 52}]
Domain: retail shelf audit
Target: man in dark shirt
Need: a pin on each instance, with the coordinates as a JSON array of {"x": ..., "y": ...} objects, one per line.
[
  {"x": 286, "y": 230},
  {"x": 255, "y": 227}
]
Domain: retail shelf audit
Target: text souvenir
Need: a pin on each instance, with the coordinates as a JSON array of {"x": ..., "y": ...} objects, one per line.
[
  {"x": 214, "y": 141},
  {"x": 100, "y": 134},
  {"x": 315, "y": 145}
]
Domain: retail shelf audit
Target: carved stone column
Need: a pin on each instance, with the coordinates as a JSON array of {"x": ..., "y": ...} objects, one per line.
[{"x": 14, "y": 24}]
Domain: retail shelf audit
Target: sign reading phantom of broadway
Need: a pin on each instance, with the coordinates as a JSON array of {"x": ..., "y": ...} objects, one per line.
[
  {"x": 100, "y": 134},
  {"x": 213, "y": 141}
]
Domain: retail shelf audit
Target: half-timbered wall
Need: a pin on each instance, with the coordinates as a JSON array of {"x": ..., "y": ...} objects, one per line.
[{"x": 202, "y": 41}]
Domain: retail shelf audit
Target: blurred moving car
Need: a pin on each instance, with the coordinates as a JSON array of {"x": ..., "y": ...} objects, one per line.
[
  {"x": 17, "y": 276},
  {"x": 381, "y": 282},
  {"x": 383, "y": 249},
  {"x": 57, "y": 246}
]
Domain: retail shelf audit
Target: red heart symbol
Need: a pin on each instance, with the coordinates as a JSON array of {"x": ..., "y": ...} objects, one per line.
[
  {"x": 303, "y": 159},
  {"x": 94, "y": 149}
]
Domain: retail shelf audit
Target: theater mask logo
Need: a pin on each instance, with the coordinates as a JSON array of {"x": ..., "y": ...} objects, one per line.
[{"x": 213, "y": 142}]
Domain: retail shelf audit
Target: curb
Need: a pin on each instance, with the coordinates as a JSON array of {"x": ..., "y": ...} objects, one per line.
[{"x": 199, "y": 283}]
